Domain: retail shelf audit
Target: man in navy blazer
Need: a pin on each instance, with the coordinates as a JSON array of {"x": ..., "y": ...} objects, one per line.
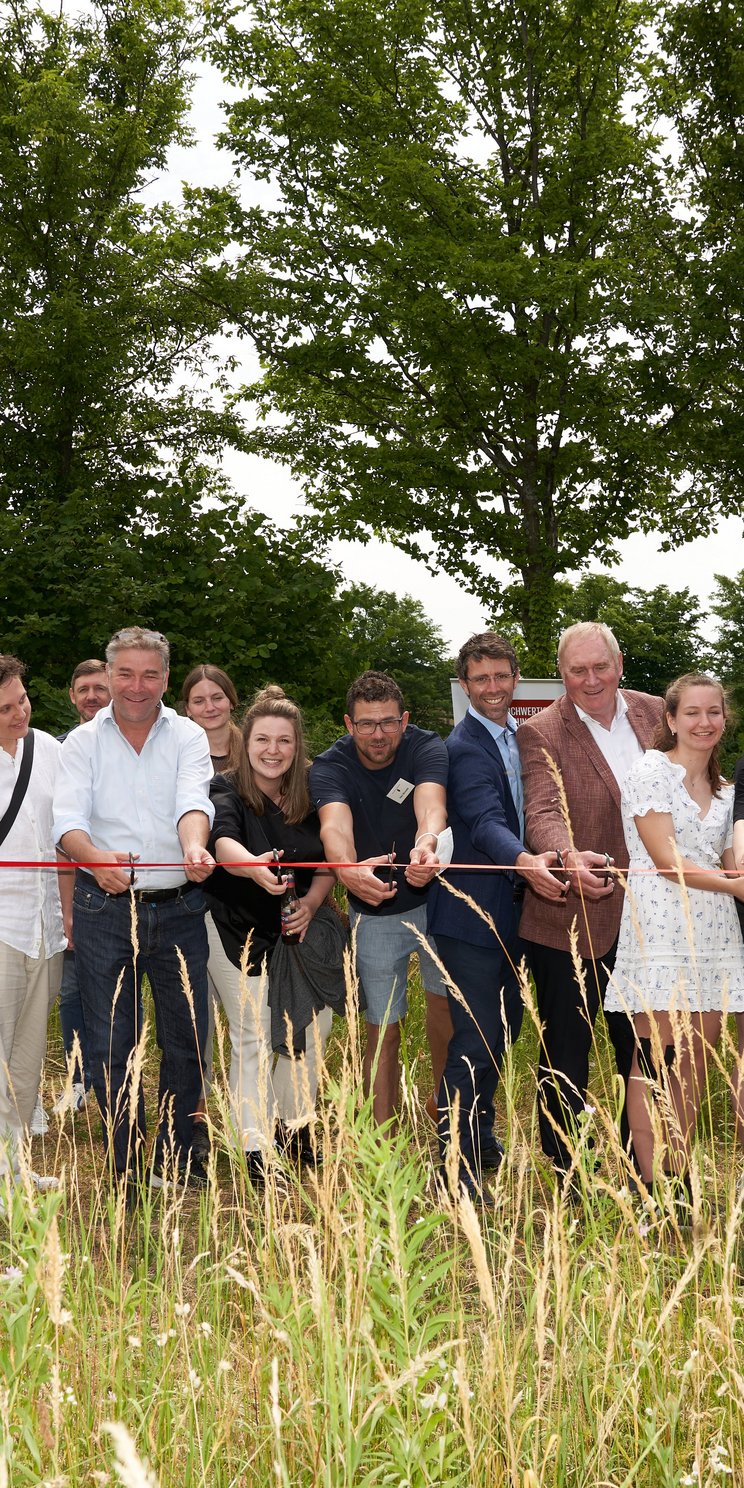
[{"x": 486, "y": 813}]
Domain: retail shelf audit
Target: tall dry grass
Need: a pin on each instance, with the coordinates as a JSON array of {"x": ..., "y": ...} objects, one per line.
[
  {"x": 356, "y": 1328},
  {"x": 353, "y": 1326}
]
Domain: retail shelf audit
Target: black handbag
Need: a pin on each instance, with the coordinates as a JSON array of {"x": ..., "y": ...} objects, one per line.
[{"x": 20, "y": 787}]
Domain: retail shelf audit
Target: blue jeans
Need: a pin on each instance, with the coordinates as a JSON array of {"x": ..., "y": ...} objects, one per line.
[
  {"x": 488, "y": 982},
  {"x": 111, "y": 990},
  {"x": 71, "y": 1018}
]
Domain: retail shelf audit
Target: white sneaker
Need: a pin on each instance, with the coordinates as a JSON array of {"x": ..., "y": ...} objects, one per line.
[
  {"x": 73, "y": 1098},
  {"x": 39, "y": 1121}
]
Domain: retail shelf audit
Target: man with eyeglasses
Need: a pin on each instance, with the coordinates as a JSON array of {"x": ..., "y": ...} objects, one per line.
[
  {"x": 380, "y": 793},
  {"x": 133, "y": 787},
  {"x": 482, "y": 956},
  {"x": 588, "y": 740}
]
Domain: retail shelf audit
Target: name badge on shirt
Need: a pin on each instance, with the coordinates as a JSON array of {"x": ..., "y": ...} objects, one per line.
[{"x": 400, "y": 790}]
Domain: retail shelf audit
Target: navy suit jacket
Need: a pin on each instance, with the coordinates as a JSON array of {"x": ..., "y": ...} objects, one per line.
[{"x": 485, "y": 826}]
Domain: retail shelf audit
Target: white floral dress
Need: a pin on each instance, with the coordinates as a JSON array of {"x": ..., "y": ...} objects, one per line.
[{"x": 678, "y": 948}]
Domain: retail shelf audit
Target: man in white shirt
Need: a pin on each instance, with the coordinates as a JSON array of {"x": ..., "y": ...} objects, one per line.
[
  {"x": 134, "y": 787},
  {"x": 32, "y": 936},
  {"x": 592, "y": 735}
]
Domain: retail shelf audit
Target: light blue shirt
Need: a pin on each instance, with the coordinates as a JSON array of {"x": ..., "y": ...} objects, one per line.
[
  {"x": 506, "y": 738},
  {"x": 132, "y": 802}
]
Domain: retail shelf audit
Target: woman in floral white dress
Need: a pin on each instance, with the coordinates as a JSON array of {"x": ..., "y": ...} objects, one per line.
[{"x": 680, "y": 959}]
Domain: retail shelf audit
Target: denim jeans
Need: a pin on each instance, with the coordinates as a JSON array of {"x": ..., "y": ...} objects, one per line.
[
  {"x": 110, "y": 986},
  {"x": 71, "y": 1018}
]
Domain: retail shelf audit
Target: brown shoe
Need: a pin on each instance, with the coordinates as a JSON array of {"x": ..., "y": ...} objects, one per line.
[{"x": 431, "y": 1109}]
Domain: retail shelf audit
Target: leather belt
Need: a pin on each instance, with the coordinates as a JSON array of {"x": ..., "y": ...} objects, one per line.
[
  {"x": 146, "y": 896},
  {"x": 158, "y": 896}
]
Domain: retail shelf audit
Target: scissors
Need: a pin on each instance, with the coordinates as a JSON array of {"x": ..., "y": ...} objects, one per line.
[{"x": 562, "y": 869}]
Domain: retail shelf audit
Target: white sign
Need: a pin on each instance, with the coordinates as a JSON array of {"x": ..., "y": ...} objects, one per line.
[{"x": 531, "y": 695}]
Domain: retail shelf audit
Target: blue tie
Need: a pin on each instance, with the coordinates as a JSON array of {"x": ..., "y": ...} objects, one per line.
[{"x": 510, "y": 755}]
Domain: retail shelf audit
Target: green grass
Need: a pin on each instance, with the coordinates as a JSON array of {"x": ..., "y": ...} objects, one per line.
[{"x": 357, "y": 1329}]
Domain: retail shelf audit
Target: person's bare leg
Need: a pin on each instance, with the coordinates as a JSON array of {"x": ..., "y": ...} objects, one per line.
[
  {"x": 438, "y": 1033},
  {"x": 687, "y": 1082},
  {"x": 385, "y": 1090},
  {"x": 639, "y": 1100},
  {"x": 664, "y": 1098}
]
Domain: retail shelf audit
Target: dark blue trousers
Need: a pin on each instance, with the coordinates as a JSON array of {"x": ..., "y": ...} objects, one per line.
[
  {"x": 110, "y": 986},
  {"x": 487, "y": 979},
  {"x": 71, "y": 1017}
]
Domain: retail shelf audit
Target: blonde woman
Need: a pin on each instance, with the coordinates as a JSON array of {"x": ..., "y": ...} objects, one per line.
[{"x": 680, "y": 958}]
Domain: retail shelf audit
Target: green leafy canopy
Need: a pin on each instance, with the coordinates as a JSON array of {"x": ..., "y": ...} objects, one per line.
[{"x": 463, "y": 299}]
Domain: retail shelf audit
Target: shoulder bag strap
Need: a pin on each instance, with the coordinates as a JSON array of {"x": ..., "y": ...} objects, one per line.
[{"x": 20, "y": 787}]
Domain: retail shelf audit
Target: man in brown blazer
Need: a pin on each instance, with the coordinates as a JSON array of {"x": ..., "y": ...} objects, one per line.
[{"x": 593, "y": 734}]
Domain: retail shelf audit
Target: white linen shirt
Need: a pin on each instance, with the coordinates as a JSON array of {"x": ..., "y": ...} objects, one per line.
[
  {"x": 619, "y": 745},
  {"x": 29, "y": 898},
  {"x": 132, "y": 802}
]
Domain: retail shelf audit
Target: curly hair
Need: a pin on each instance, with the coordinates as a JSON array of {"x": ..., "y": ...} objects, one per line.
[{"x": 374, "y": 687}]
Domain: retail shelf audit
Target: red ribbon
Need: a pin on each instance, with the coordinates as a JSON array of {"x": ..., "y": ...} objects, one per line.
[{"x": 459, "y": 867}]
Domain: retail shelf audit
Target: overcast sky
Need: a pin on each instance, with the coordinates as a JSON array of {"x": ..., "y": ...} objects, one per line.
[{"x": 270, "y": 488}]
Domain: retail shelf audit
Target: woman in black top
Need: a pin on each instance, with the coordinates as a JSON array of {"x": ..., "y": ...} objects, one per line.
[{"x": 263, "y": 807}]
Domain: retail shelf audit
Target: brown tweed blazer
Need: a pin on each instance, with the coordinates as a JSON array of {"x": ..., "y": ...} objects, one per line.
[{"x": 593, "y": 796}]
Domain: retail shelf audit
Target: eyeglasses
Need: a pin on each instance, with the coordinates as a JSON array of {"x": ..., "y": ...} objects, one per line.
[{"x": 369, "y": 726}]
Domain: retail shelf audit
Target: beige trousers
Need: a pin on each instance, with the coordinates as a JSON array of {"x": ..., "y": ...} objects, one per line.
[
  {"x": 263, "y": 1086},
  {"x": 28, "y": 988}
]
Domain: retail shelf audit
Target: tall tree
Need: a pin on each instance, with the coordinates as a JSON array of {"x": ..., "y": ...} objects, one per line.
[
  {"x": 470, "y": 260},
  {"x": 109, "y": 384},
  {"x": 99, "y": 294},
  {"x": 703, "y": 94}
]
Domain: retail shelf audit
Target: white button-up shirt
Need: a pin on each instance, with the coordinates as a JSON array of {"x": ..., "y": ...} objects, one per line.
[
  {"x": 132, "y": 802},
  {"x": 618, "y": 743},
  {"x": 29, "y": 897}
]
